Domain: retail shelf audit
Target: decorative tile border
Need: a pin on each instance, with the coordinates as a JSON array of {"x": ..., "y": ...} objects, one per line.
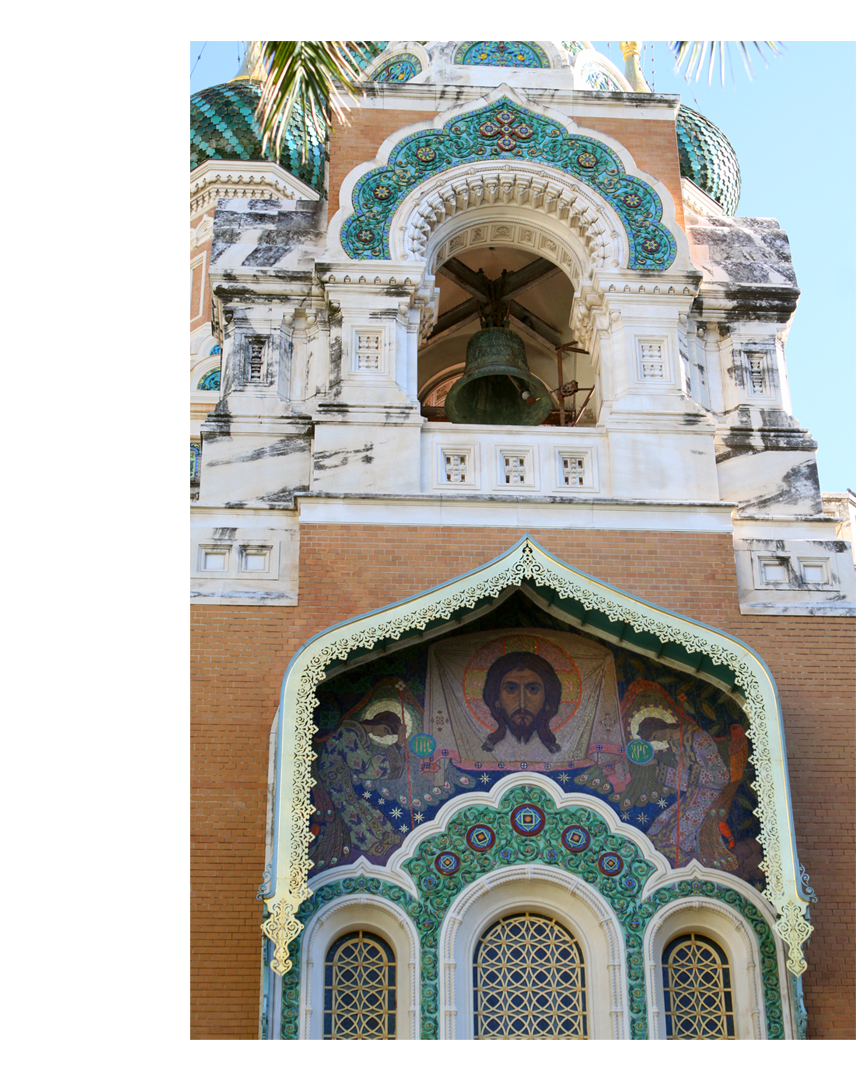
[
  {"x": 480, "y": 839},
  {"x": 505, "y": 131},
  {"x": 502, "y": 54},
  {"x": 399, "y": 69}
]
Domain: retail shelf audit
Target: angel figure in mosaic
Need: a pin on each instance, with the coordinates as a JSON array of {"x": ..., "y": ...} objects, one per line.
[
  {"x": 690, "y": 764},
  {"x": 676, "y": 766},
  {"x": 371, "y": 789}
]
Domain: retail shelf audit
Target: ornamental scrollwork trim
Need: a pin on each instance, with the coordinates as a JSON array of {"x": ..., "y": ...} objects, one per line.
[
  {"x": 282, "y": 928},
  {"x": 794, "y": 929}
]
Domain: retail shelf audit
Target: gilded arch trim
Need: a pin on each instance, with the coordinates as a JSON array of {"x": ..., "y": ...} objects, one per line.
[{"x": 618, "y": 616}]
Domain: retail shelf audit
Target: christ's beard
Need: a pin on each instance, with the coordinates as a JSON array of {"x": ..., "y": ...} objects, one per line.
[{"x": 522, "y": 724}]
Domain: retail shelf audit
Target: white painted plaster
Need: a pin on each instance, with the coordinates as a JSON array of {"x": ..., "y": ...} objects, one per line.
[{"x": 522, "y": 513}]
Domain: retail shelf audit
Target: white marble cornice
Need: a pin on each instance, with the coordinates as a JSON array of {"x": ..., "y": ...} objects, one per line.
[{"x": 221, "y": 179}]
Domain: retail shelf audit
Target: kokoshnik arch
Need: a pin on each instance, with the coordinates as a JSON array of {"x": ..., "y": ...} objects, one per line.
[
  {"x": 481, "y": 744},
  {"x": 618, "y": 618}
]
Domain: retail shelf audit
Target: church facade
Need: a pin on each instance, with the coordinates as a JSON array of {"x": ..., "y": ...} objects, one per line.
[{"x": 522, "y": 632}]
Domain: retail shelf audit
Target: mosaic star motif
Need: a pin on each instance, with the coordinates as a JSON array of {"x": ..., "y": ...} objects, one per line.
[
  {"x": 447, "y": 862},
  {"x": 527, "y": 819},
  {"x": 506, "y": 131},
  {"x": 610, "y": 863},
  {"x": 576, "y": 838},
  {"x": 481, "y": 838}
]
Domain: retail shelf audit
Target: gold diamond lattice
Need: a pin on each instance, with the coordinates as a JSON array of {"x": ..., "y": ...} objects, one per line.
[
  {"x": 697, "y": 990},
  {"x": 359, "y": 990},
  {"x": 529, "y": 980}
]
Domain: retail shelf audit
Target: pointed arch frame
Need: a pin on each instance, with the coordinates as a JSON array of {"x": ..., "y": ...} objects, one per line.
[{"x": 597, "y": 608}]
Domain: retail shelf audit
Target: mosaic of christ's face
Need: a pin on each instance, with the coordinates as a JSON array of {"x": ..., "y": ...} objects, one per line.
[{"x": 521, "y": 698}]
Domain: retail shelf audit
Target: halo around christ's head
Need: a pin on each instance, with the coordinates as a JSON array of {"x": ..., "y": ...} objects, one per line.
[{"x": 480, "y": 662}]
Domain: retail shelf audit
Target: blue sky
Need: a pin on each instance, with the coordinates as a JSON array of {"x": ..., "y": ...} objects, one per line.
[{"x": 792, "y": 128}]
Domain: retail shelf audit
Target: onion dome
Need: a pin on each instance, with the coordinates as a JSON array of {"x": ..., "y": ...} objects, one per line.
[
  {"x": 223, "y": 125},
  {"x": 367, "y": 52},
  {"x": 708, "y": 159}
]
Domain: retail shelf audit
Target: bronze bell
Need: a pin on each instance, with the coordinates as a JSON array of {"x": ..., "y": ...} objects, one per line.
[{"x": 497, "y": 387}]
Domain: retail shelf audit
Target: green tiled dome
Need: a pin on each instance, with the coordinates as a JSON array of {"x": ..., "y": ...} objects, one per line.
[
  {"x": 368, "y": 52},
  {"x": 223, "y": 125},
  {"x": 708, "y": 159}
]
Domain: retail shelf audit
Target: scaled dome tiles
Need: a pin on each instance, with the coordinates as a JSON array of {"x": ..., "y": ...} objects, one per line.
[
  {"x": 501, "y": 133},
  {"x": 223, "y": 126},
  {"x": 708, "y": 159}
]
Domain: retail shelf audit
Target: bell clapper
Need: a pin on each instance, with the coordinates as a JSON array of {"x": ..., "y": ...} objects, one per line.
[{"x": 525, "y": 394}]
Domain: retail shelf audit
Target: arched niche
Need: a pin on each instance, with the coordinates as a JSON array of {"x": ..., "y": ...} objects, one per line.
[
  {"x": 411, "y": 55},
  {"x": 722, "y": 923},
  {"x": 354, "y": 913},
  {"x": 554, "y": 893},
  {"x": 592, "y": 605},
  {"x": 514, "y": 238}
]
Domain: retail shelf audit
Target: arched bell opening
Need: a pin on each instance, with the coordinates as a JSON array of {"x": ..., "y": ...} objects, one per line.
[{"x": 509, "y": 287}]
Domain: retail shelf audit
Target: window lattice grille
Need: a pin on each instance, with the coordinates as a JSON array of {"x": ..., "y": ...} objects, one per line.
[
  {"x": 697, "y": 990},
  {"x": 359, "y": 989},
  {"x": 529, "y": 981}
]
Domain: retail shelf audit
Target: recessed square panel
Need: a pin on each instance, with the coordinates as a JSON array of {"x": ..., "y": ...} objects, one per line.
[
  {"x": 814, "y": 572},
  {"x": 255, "y": 560},
  {"x": 214, "y": 559},
  {"x": 774, "y": 572}
]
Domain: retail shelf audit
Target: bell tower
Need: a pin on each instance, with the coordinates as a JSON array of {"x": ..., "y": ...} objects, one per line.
[{"x": 523, "y": 548}]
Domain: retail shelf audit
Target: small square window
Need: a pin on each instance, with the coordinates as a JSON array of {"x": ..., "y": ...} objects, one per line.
[
  {"x": 573, "y": 471},
  {"x": 516, "y": 468},
  {"x": 456, "y": 467}
]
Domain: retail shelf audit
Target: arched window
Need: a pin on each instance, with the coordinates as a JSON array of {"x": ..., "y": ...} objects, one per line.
[
  {"x": 359, "y": 989},
  {"x": 697, "y": 990},
  {"x": 529, "y": 981}
]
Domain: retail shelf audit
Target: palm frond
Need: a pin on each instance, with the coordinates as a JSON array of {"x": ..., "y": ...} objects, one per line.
[
  {"x": 313, "y": 78},
  {"x": 694, "y": 52}
]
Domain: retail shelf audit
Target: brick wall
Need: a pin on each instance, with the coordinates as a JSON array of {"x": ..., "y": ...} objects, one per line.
[
  {"x": 240, "y": 655},
  {"x": 359, "y": 142},
  {"x": 200, "y": 293},
  {"x": 654, "y": 146}
]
